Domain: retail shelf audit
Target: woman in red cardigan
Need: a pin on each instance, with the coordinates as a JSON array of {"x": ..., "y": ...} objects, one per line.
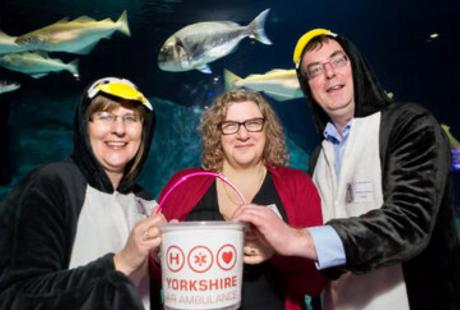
[{"x": 242, "y": 139}]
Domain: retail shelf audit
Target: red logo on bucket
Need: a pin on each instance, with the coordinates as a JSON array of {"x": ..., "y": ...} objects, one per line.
[
  {"x": 175, "y": 258},
  {"x": 200, "y": 259},
  {"x": 226, "y": 257}
]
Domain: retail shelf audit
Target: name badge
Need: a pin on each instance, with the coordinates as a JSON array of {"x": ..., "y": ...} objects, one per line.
[
  {"x": 360, "y": 192},
  {"x": 275, "y": 209}
]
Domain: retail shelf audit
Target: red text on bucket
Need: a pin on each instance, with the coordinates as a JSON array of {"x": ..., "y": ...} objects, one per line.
[{"x": 201, "y": 285}]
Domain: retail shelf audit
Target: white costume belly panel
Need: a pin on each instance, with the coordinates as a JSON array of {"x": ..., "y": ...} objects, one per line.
[
  {"x": 104, "y": 225},
  {"x": 357, "y": 191}
]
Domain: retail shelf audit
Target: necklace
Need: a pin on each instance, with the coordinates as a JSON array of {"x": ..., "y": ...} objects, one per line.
[{"x": 257, "y": 189}]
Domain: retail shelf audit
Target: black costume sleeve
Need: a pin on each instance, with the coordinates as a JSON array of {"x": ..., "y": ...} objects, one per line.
[
  {"x": 415, "y": 168},
  {"x": 37, "y": 224}
]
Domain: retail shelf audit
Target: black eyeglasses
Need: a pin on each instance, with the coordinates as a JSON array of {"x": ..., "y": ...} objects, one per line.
[{"x": 251, "y": 125}]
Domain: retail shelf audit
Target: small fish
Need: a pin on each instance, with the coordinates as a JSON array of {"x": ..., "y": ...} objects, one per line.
[
  {"x": 8, "y": 44},
  {"x": 78, "y": 36},
  {"x": 6, "y": 86},
  {"x": 37, "y": 65},
  {"x": 196, "y": 45},
  {"x": 279, "y": 84}
]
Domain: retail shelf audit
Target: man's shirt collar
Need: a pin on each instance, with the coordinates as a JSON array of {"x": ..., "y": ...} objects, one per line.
[{"x": 332, "y": 135}]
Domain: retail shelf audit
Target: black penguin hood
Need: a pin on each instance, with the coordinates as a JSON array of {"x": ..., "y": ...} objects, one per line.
[
  {"x": 369, "y": 95},
  {"x": 85, "y": 159}
]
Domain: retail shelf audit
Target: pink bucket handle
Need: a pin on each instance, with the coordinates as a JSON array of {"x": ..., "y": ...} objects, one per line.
[{"x": 195, "y": 174}]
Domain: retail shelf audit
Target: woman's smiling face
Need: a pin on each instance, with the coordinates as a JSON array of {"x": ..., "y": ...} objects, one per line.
[
  {"x": 115, "y": 137},
  {"x": 243, "y": 148}
]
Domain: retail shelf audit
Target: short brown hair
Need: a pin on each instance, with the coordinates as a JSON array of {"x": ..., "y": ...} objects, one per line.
[
  {"x": 212, "y": 155},
  {"x": 313, "y": 44},
  {"x": 109, "y": 103}
]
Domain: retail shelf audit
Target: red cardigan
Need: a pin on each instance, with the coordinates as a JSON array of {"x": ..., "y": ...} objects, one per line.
[{"x": 302, "y": 204}]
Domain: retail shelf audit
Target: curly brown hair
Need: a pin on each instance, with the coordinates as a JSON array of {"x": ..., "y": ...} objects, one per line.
[{"x": 212, "y": 155}]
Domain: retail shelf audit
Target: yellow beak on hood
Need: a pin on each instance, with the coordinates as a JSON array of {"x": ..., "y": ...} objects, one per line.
[
  {"x": 125, "y": 91},
  {"x": 117, "y": 87},
  {"x": 305, "y": 39}
]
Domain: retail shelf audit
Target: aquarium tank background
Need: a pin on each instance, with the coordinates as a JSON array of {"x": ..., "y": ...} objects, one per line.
[{"x": 412, "y": 45}]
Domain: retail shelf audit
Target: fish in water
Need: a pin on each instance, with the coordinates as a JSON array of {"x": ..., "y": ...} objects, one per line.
[
  {"x": 78, "y": 36},
  {"x": 279, "y": 84},
  {"x": 6, "y": 86},
  {"x": 37, "y": 65},
  {"x": 196, "y": 45},
  {"x": 8, "y": 44}
]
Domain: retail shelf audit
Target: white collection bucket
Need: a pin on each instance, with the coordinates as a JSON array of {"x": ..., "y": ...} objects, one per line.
[{"x": 202, "y": 265}]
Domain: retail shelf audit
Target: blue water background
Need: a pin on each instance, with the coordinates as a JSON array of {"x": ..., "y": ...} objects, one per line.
[{"x": 394, "y": 35}]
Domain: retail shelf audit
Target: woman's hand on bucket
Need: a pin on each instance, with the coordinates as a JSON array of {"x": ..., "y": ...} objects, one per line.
[
  {"x": 144, "y": 238},
  {"x": 256, "y": 249}
]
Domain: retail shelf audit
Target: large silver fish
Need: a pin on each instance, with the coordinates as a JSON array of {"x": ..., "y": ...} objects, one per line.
[
  {"x": 37, "y": 65},
  {"x": 8, "y": 44},
  {"x": 279, "y": 84},
  {"x": 6, "y": 86},
  {"x": 196, "y": 45},
  {"x": 78, "y": 36}
]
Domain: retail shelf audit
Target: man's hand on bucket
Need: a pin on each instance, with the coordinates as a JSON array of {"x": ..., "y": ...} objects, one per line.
[{"x": 284, "y": 239}]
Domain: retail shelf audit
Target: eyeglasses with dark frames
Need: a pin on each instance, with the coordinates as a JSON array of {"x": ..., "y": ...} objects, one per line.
[{"x": 251, "y": 125}]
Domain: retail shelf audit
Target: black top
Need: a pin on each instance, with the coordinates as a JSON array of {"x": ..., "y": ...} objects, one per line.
[{"x": 260, "y": 283}]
